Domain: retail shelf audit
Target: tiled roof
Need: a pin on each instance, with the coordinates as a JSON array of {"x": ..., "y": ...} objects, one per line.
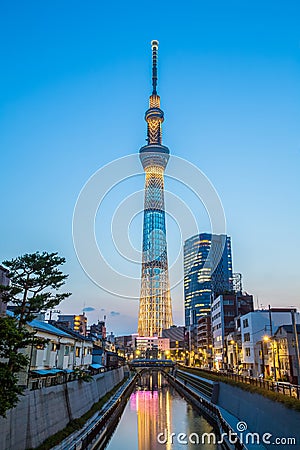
[{"x": 44, "y": 326}]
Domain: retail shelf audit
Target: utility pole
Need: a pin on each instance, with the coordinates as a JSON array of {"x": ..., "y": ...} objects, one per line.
[
  {"x": 297, "y": 359},
  {"x": 262, "y": 358},
  {"x": 272, "y": 344}
]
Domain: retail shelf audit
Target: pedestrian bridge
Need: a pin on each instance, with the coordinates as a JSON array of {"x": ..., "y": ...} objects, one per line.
[{"x": 151, "y": 363}]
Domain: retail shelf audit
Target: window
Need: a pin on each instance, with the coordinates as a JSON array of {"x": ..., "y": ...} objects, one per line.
[
  {"x": 245, "y": 323},
  {"x": 248, "y": 352},
  {"x": 228, "y": 302},
  {"x": 246, "y": 337},
  {"x": 77, "y": 352},
  {"x": 40, "y": 346},
  {"x": 67, "y": 350}
]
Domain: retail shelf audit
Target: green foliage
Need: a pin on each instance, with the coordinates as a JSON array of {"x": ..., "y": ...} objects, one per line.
[
  {"x": 82, "y": 374},
  {"x": 9, "y": 389},
  {"x": 34, "y": 280}
]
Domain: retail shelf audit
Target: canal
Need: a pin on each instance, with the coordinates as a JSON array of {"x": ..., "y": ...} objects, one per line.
[{"x": 156, "y": 407}]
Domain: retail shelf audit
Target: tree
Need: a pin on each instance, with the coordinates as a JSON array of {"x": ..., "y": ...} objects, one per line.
[{"x": 34, "y": 281}]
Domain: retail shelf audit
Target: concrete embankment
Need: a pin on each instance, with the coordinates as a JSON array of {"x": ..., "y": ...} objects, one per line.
[
  {"x": 44, "y": 412},
  {"x": 262, "y": 415},
  {"x": 244, "y": 412}
]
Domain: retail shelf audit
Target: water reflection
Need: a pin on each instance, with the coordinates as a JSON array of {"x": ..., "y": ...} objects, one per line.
[{"x": 155, "y": 407}]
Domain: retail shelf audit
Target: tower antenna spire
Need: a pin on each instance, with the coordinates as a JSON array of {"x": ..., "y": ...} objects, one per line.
[{"x": 154, "y": 45}]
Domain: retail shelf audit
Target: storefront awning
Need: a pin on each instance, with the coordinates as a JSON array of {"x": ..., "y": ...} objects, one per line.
[
  {"x": 96, "y": 366},
  {"x": 46, "y": 372}
]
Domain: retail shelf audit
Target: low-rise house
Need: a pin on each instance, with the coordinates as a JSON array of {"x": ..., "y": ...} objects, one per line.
[
  {"x": 285, "y": 353},
  {"x": 83, "y": 347},
  {"x": 255, "y": 327}
]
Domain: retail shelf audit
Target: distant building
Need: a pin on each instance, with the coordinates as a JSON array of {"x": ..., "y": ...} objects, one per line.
[
  {"x": 151, "y": 347},
  {"x": 224, "y": 310},
  {"x": 111, "y": 338},
  {"x": 76, "y": 323},
  {"x": 254, "y": 327},
  {"x": 124, "y": 345},
  {"x": 4, "y": 280},
  {"x": 98, "y": 330},
  {"x": 176, "y": 336},
  {"x": 123, "y": 341}
]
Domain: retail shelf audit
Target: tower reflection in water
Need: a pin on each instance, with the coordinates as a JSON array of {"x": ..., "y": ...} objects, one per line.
[
  {"x": 152, "y": 403},
  {"x": 155, "y": 407}
]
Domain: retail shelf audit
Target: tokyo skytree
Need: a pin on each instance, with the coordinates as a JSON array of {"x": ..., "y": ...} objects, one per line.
[{"x": 155, "y": 313}]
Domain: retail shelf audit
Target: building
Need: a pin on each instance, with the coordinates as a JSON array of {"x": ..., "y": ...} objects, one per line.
[
  {"x": 207, "y": 272},
  {"x": 155, "y": 312},
  {"x": 224, "y": 309},
  {"x": 59, "y": 353},
  {"x": 98, "y": 330},
  {"x": 4, "y": 281},
  {"x": 255, "y": 327},
  {"x": 205, "y": 341},
  {"x": 124, "y": 345},
  {"x": 152, "y": 347},
  {"x": 285, "y": 352},
  {"x": 74, "y": 322},
  {"x": 176, "y": 336}
]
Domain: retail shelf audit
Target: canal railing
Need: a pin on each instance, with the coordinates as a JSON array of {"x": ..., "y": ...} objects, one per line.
[
  {"x": 208, "y": 388},
  {"x": 290, "y": 390}
]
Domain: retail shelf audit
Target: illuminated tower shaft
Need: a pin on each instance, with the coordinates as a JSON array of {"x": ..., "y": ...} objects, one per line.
[{"x": 155, "y": 302}]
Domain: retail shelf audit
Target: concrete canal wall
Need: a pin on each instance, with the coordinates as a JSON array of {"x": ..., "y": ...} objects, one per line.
[
  {"x": 275, "y": 425},
  {"x": 261, "y": 414},
  {"x": 43, "y": 412}
]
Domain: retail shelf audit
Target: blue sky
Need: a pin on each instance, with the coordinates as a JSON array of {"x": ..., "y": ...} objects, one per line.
[{"x": 75, "y": 80}]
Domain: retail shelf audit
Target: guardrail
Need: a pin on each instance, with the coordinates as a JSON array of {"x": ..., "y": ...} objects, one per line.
[
  {"x": 206, "y": 388},
  {"x": 290, "y": 390}
]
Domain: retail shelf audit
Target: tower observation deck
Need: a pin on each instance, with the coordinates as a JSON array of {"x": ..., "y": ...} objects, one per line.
[{"x": 155, "y": 313}]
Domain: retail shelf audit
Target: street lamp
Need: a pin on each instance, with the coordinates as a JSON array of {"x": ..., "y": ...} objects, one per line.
[
  {"x": 235, "y": 354},
  {"x": 264, "y": 339},
  {"x": 268, "y": 339}
]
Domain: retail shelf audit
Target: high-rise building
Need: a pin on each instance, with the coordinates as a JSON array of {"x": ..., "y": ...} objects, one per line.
[
  {"x": 207, "y": 273},
  {"x": 155, "y": 312}
]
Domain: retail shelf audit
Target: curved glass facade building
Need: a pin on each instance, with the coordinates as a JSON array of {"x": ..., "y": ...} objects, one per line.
[
  {"x": 207, "y": 273},
  {"x": 155, "y": 312}
]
